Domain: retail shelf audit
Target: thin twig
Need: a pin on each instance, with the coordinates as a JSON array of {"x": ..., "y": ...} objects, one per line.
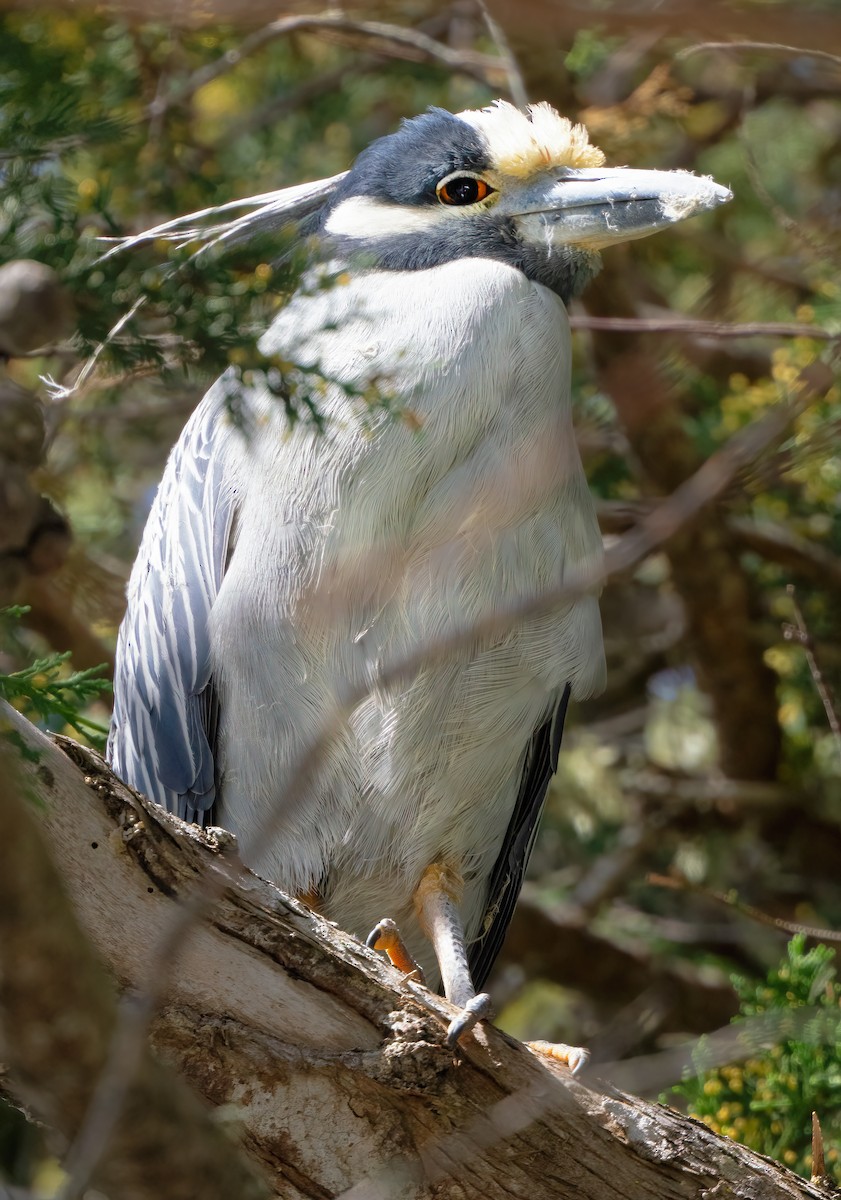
[
  {"x": 649, "y": 1074},
  {"x": 699, "y": 328},
  {"x": 679, "y": 883},
  {"x": 134, "y": 1015},
  {"x": 777, "y": 543},
  {"x": 714, "y": 477},
  {"x": 689, "y": 326},
  {"x": 800, "y": 633},
  {"x": 766, "y": 47},
  {"x": 516, "y": 83},
  {"x": 422, "y": 47},
  {"x": 816, "y": 251}
]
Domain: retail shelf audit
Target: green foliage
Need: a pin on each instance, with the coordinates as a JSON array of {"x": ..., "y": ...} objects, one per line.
[
  {"x": 79, "y": 164},
  {"x": 767, "y": 1101},
  {"x": 589, "y": 51},
  {"x": 206, "y": 314},
  {"x": 49, "y": 694}
]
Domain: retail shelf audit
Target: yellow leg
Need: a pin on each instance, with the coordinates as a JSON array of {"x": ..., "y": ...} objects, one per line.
[{"x": 437, "y": 900}]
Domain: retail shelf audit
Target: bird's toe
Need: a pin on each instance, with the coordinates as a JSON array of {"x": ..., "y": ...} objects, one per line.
[
  {"x": 574, "y": 1057},
  {"x": 475, "y": 1010},
  {"x": 386, "y": 936}
]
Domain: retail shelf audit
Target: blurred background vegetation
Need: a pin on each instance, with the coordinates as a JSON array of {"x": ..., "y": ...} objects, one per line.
[{"x": 712, "y": 756}]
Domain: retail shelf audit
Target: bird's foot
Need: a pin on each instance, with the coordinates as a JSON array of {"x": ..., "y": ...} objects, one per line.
[
  {"x": 475, "y": 1010},
  {"x": 574, "y": 1057},
  {"x": 386, "y": 936}
]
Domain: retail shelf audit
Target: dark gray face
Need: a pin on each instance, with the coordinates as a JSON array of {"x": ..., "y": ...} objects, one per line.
[
  {"x": 388, "y": 212},
  {"x": 405, "y": 167}
]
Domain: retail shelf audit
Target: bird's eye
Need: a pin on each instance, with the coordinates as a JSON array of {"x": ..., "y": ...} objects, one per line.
[{"x": 463, "y": 189}]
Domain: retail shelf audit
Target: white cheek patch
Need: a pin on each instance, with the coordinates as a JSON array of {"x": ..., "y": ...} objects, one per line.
[{"x": 365, "y": 217}]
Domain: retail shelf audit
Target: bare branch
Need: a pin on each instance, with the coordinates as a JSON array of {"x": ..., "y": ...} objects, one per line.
[
  {"x": 777, "y": 543},
  {"x": 59, "y": 1011},
  {"x": 765, "y": 47},
  {"x": 811, "y": 246},
  {"x": 676, "y": 882},
  {"x": 334, "y": 1061},
  {"x": 771, "y": 541},
  {"x": 814, "y": 23},
  {"x": 387, "y": 39},
  {"x": 801, "y": 635},
  {"x": 698, "y": 328},
  {"x": 557, "y": 943},
  {"x": 516, "y": 83},
  {"x": 667, "y": 519},
  {"x": 650, "y": 1073}
]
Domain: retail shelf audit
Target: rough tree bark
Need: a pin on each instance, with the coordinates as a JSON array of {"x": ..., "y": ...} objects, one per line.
[
  {"x": 58, "y": 1014},
  {"x": 333, "y": 1063}
]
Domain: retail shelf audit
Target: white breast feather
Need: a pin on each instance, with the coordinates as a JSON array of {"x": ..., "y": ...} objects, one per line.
[{"x": 384, "y": 533}]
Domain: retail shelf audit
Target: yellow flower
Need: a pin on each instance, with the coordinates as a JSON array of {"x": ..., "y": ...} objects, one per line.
[{"x": 88, "y": 189}]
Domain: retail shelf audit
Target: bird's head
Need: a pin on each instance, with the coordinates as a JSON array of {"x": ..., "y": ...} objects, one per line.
[{"x": 527, "y": 188}]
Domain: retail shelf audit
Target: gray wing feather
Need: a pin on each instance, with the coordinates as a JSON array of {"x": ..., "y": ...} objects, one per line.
[{"x": 162, "y": 738}]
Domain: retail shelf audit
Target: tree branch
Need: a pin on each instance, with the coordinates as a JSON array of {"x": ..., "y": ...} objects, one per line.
[
  {"x": 774, "y": 542},
  {"x": 335, "y": 1062},
  {"x": 762, "y": 47},
  {"x": 406, "y": 43},
  {"x": 663, "y": 523},
  {"x": 59, "y": 1012},
  {"x": 815, "y": 24},
  {"x": 674, "y": 323}
]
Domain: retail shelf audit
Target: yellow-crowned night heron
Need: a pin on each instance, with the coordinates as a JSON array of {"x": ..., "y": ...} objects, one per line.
[{"x": 279, "y": 563}]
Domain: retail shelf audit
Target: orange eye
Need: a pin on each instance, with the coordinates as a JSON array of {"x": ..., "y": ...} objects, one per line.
[{"x": 463, "y": 189}]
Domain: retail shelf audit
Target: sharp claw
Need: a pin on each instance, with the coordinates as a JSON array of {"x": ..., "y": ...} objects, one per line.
[
  {"x": 578, "y": 1058},
  {"x": 386, "y": 930},
  {"x": 477, "y": 1009},
  {"x": 374, "y": 936}
]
